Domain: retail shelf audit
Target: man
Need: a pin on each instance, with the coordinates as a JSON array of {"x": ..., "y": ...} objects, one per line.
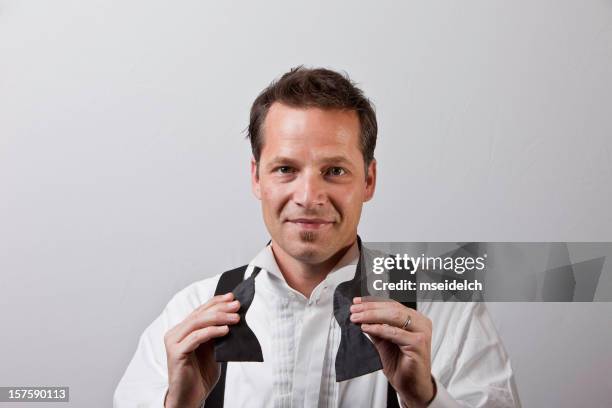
[{"x": 313, "y": 135}]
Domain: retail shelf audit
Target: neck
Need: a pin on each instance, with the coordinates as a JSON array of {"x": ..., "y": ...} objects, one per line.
[{"x": 302, "y": 276}]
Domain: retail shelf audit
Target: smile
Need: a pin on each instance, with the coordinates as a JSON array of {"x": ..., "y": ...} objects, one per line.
[{"x": 311, "y": 224}]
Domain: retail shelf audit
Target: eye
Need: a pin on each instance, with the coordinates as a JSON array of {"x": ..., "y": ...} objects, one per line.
[
  {"x": 285, "y": 170},
  {"x": 336, "y": 171}
]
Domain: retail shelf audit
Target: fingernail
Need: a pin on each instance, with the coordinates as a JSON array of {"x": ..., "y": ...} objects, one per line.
[
  {"x": 355, "y": 317},
  {"x": 356, "y": 308}
]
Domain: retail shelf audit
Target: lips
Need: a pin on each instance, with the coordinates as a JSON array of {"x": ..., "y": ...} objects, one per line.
[{"x": 310, "y": 223}]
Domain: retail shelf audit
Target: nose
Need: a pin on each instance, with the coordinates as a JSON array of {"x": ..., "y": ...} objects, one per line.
[{"x": 310, "y": 190}]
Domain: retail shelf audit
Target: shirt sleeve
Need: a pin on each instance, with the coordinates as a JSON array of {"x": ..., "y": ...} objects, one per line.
[
  {"x": 472, "y": 368},
  {"x": 145, "y": 381}
]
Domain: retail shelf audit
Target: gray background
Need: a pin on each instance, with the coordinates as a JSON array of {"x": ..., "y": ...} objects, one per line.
[{"x": 124, "y": 172}]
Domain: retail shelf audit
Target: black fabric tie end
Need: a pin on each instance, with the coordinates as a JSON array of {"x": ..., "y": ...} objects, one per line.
[
  {"x": 356, "y": 355},
  {"x": 240, "y": 344}
]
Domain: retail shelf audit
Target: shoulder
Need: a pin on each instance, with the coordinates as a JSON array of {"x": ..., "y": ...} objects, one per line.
[
  {"x": 445, "y": 310},
  {"x": 459, "y": 319},
  {"x": 456, "y": 317}
]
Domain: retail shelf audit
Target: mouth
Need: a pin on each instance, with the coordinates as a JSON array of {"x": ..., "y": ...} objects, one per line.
[{"x": 310, "y": 223}]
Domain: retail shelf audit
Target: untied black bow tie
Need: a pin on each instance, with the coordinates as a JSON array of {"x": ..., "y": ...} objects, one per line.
[{"x": 356, "y": 353}]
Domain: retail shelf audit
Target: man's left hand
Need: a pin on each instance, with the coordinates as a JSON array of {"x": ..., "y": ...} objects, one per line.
[{"x": 402, "y": 337}]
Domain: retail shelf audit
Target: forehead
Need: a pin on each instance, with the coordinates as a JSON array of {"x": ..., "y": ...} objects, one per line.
[{"x": 289, "y": 129}]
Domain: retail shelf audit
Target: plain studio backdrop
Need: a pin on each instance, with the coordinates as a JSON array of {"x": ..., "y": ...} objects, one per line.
[{"x": 124, "y": 172}]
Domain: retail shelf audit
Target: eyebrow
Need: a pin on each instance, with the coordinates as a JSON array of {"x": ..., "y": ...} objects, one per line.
[
  {"x": 327, "y": 160},
  {"x": 337, "y": 159},
  {"x": 280, "y": 160}
]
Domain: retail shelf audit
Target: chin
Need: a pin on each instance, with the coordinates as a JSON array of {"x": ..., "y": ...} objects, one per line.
[{"x": 309, "y": 251}]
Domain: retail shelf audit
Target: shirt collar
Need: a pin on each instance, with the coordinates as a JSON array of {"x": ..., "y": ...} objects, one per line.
[{"x": 343, "y": 271}]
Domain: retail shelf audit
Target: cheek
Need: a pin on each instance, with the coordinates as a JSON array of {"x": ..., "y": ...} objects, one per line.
[
  {"x": 349, "y": 201},
  {"x": 273, "y": 197}
]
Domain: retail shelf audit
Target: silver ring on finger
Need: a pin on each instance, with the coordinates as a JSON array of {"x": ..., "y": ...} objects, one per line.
[{"x": 407, "y": 322}]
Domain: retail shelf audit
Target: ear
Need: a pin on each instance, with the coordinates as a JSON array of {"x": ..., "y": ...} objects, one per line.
[
  {"x": 255, "y": 179},
  {"x": 370, "y": 181}
]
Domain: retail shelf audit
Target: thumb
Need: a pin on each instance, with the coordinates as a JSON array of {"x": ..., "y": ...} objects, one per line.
[{"x": 382, "y": 345}]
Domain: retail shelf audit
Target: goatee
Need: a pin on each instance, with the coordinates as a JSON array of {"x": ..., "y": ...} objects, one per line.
[{"x": 308, "y": 236}]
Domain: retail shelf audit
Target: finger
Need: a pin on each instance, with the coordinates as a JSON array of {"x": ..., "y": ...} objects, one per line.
[
  {"x": 372, "y": 300},
  {"x": 197, "y": 337},
  {"x": 219, "y": 302},
  {"x": 386, "y": 316},
  {"x": 392, "y": 313},
  {"x": 212, "y": 317},
  {"x": 413, "y": 341},
  {"x": 228, "y": 297},
  {"x": 224, "y": 306},
  {"x": 202, "y": 318}
]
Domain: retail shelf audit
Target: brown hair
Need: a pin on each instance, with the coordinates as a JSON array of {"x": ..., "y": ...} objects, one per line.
[{"x": 315, "y": 87}]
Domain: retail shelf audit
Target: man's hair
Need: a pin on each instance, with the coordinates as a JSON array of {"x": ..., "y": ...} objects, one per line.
[{"x": 315, "y": 88}]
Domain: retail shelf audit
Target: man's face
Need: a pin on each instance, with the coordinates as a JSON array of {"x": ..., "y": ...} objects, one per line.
[{"x": 312, "y": 182}]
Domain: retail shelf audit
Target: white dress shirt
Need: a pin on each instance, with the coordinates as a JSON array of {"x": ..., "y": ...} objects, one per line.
[{"x": 299, "y": 338}]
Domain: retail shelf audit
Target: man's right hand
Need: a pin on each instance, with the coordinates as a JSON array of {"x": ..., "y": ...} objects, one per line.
[{"x": 192, "y": 373}]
